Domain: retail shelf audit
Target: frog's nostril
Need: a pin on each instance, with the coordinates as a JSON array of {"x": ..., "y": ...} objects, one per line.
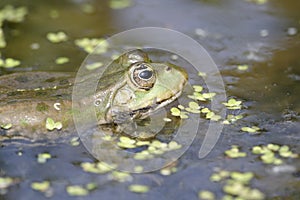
[{"x": 168, "y": 68}]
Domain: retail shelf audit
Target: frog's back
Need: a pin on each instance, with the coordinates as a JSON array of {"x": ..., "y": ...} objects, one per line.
[{"x": 29, "y": 85}]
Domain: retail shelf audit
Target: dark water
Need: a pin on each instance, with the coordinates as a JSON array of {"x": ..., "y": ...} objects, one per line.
[{"x": 269, "y": 89}]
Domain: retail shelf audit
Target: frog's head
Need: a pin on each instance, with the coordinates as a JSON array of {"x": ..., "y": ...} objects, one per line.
[{"x": 147, "y": 85}]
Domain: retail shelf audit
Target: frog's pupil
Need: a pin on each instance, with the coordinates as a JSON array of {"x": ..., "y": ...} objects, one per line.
[{"x": 146, "y": 74}]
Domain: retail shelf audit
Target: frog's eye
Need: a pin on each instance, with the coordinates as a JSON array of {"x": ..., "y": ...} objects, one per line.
[{"x": 142, "y": 75}]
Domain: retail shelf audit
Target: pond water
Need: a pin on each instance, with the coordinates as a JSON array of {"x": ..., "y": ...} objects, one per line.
[{"x": 235, "y": 33}]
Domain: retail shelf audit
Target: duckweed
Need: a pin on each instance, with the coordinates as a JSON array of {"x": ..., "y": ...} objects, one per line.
[
  {"x": 233, "y": 104},
  {"x": 237, "y": 185},
  {"x": 97, "y": 168},
  {"x": 179, "y": 113},
  {"x": 119, "y": 4},
  {"x": 234, "y": 152},
  {"x": 242, "y": 67},
  {"x": 268, "y": 153},
  {"x": 62, "y": 60},
  {"x": 9, "y": 63},
  {"x": 76, "y": 190},
  {"x": 51, "y": 125},
  {"x": 126, "y": 142},
  {"x": 202, "y": 74},
  {"x": 138, "y": 169},
  {"x": 57, "y": 37},
  {"x": 253, "y": 129},
  {"x": 94, "y": 65},
  {"x": 92, "y": 45},
  {"x": 259, "y": 2},
  {"x": 74, "y": 141},
  {"x": 121, "y": 176},
  {"x": 10, "y": 14},
  {"x": 232, "y": 118},
  {"x": 206, "y": 195},
  {"x": 5, "y": 182},
  {"x": 40, "y": 186},
  {"x": 197, "y": 88},
  {"x": 6, "y": 126},
  {"x": 43, "y": 157},
  {"x": 168, "y": 171},
  {"x": 138, "y": 188}
]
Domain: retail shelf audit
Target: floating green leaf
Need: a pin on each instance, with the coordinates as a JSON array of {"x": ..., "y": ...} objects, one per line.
[
  {"x": 6, "y": 126},
  {"x": 94, "y": 65},
  {"x": 206, "y": 195},
  {"x": 233, "y": 104},
  {"x": 234, "y": 152},
  {"x": 119, "y": 4},
  {"x": 138, "y": 188},
  {"x": 51, "y": 125},
  {"x": 62, "y": 60},
  {"x": 93, "y": 45},
  {"x": 57, "y": 37},
  {"x": 253, "y": 129},
  {"x": 242, "y": 67},
  {"x": 40, "y": 186},
  {"x": 43, "y": 157},
  {"x": 77, "y": 190}
]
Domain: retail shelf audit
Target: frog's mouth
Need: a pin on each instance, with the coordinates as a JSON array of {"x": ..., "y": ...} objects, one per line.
[{"x": 156, "y": 105}]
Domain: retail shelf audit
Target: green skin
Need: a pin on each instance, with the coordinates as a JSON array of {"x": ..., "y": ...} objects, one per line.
[{"x": 28, "y": 99}]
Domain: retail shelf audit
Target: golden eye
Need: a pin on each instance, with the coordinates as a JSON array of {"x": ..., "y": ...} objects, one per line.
[{"x": 142, "y": 75}]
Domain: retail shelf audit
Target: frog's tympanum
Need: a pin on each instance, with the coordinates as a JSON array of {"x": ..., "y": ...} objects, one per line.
[{"x": 132, "y": 87}]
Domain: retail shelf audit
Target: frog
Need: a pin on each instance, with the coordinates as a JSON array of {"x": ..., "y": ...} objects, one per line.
[{"x": 132, "y": 87}]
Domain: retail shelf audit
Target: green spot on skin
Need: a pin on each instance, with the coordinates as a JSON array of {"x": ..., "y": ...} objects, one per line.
[
  {"x": 57, "y": 37},
  {"x": 138, "y": 188},
  {"x": 119, "y": 4},
  {"x": 51, "y": 125},
  {"x": 62, "y": 60},
  {"x": 77, "y": 190},
  {"x": 242, "y": 67},
  {"x": 40, "y": 186},
  {"x": 94, "y": 65},
  {"x": 43, "y": 157},
  {"x": 42, "y": 107},
  {"x": 6, "y": 126},
  {"x": 206, "y": 195}
]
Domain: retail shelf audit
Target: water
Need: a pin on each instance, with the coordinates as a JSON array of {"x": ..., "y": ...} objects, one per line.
[{"x": 231, "y": 33}]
